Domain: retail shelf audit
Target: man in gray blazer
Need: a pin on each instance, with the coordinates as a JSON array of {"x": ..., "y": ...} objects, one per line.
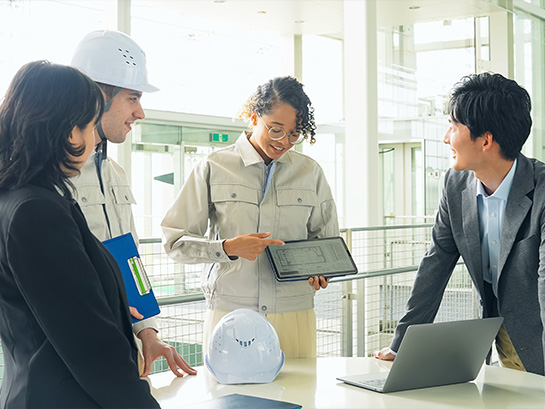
[{"x": 492, "y": 213}]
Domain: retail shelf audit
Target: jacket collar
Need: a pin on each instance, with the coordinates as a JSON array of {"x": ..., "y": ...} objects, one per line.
[
  {"x": 470, "y": 223},
  {"x": 250, "y": 156},
  {"x": 518, "y": 204}
]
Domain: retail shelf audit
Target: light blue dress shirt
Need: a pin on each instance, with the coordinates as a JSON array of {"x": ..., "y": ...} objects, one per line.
[
  {"x": 491, "y": 212},
  {"x": 269, "y": 169}
]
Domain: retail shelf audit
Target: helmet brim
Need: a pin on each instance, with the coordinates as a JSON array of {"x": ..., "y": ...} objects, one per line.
[{"x": 145, "y": 88}]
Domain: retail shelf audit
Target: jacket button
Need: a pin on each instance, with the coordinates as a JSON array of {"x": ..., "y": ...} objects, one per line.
[
  {"x": 84, "y": 199},
  {"x": 233, "y": 195},
  {"x": 299, "y": 200},
  {"x": 218, "y": 254},
  {"x": 264, "y": 308},
  {"x": 126, "y": 197}
]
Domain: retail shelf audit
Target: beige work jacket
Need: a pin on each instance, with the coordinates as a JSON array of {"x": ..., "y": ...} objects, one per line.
[
  {"x": 116, "y": 200},
  {"x": 225, "y": 192}
]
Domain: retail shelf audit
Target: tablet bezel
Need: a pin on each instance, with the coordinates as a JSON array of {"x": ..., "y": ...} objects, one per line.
[{"x": 302, "y": 277}]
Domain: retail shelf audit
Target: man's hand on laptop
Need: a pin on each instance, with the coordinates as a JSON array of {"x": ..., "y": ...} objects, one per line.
[{"x": 385, "y": 354}]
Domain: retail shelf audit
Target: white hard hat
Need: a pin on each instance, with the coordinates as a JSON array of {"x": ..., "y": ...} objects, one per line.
[
  {"x": 244, "y": 348},
  {"x": 113, "y": 58}
]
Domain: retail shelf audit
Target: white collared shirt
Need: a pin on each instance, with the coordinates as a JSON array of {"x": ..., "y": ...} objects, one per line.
[{"x": 491, "y": 212}]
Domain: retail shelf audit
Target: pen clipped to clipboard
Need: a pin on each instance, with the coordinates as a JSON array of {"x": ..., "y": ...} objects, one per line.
[{"x": 139, "y": 291}]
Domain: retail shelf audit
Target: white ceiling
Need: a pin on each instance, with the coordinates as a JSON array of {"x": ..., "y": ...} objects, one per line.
[
  {"x": 400, "y": 12},
  {"x": 284, "y": 16},
  {"x": 324, "y": 17}
]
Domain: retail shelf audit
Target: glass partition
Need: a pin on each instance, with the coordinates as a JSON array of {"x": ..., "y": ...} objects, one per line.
[
  {"x": 162, "y": 159},
  {"x": 418, "y": 64},
  {"x": 45, "y": 29},
  {"x": 328, "y": 151},
  {"x": 204, "y": 65},
  {"x": 529, "y": 33},
  {"x": 322, "y": 58}
]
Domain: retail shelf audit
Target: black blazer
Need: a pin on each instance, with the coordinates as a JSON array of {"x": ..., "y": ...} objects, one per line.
[{"x": 64, "y": 318}]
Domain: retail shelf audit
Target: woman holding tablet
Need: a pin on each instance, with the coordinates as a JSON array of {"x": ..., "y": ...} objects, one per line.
[{"x": 256, "y": 193}]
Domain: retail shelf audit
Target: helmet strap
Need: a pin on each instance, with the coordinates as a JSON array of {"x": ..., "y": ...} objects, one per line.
[
  {"x": 109, "y": 103},
  {"x": 102, "y": 146}
]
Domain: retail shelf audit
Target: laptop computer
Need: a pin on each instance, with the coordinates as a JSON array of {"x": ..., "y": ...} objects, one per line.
[{"x": 435, "y": 354}]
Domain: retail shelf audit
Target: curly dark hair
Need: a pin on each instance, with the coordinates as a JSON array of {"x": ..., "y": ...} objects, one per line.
[
  {"x": 287, "y": 90},
  {"x": 43, "y": 104}
]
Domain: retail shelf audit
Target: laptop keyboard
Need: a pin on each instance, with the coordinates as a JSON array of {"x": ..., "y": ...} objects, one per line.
[{"x": 377, "y": 383}]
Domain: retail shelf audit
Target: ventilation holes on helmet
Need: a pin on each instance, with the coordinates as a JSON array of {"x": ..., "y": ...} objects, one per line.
[
  {"x": 245, "y": 344},
  {"x": 129, "y": 59}
]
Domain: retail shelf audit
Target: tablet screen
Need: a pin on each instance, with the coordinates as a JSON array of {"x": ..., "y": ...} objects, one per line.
[{"x": 298, "y": 260}]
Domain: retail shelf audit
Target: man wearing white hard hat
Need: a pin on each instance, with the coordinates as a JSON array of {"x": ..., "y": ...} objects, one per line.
[{"x": 118, "y": 65}]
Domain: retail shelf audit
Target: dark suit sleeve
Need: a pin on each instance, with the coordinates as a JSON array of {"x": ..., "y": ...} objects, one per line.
[
  {"x": 66, "y": 296},
  {"x": 541, "y": 281},
  {"x": 433, "y": 273}
]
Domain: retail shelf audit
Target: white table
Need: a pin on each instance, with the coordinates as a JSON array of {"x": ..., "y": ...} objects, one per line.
[{"x": 312, "y": 383}]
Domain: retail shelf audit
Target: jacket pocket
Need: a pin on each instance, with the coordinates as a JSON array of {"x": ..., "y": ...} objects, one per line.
[
  {"x": 90, "y": 196},
  {"x": 294, "y": 197},
  {"x": 123, "y": 195},
  {"x": 295, "y": 208},
  {"x": 235, "y": 209},
  {"x": 233, "y": 193}
]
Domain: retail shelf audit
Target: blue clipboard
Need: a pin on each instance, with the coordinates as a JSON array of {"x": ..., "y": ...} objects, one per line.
[{"x": 137, "y": 285}]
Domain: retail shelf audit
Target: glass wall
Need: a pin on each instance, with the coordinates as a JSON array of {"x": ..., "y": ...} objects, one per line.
[
  {"x": 529, "y": 34},
  {"x": 322, "y": 58},
  {"x": 328, "y": 151},
  {"x": 388, "y": 172},
  {"x": 163, "y": 157},
  {"x": 203, "y": 64},
  {"x": 418, "y": 64},
  {"x": 45, "y": 29}
]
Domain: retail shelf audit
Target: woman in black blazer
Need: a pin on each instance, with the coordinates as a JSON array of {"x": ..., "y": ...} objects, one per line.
[{"x": 64, "y": 318}]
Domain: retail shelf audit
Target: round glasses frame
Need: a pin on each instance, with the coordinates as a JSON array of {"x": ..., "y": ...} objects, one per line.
[{"x": 277, "y": 133}]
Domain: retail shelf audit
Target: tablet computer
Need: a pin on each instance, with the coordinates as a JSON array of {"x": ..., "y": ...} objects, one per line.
[{"x": 301, "y": 259}]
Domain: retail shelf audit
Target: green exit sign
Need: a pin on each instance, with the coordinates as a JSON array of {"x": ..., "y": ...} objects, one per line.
[{"x": 219, "y": 137}]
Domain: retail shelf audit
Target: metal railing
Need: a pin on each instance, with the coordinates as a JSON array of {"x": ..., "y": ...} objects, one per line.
[{"x": 355, "y": 314}]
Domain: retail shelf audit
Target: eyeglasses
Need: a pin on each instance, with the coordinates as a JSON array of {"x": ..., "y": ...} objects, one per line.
[{"x": 276, "y": 133}]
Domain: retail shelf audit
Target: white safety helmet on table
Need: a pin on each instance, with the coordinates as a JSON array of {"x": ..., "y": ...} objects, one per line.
[{"x": 244, "y": 348}]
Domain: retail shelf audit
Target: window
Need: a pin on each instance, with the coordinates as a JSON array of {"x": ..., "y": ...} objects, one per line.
[
  {"x": 203, "y": 65},
  {"x": 45, "y": 29}
]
